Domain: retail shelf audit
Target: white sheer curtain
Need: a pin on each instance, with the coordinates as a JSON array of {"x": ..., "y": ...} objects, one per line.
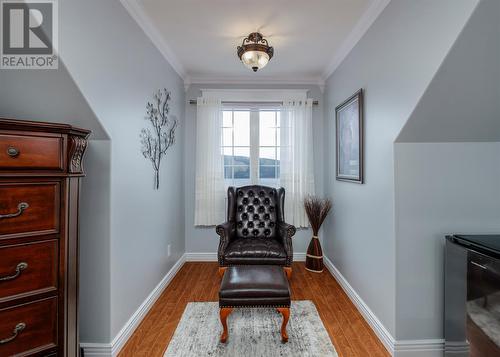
[
  {"x": 296, "y": 161},
  {"x": 209, "y": 192}
]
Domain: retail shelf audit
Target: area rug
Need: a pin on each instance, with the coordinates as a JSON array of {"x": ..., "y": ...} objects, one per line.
[
  {"x": 253, "y": 332},
  {"x": 487, "y": 318}
]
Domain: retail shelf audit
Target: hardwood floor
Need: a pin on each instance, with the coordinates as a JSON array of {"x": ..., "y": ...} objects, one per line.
[
  {"x": 480, "y": 344},
  {"x": 349, "y": 332}
]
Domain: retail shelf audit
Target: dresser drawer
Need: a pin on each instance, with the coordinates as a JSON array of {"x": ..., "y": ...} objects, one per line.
[
  {"x": 24, "y": 152},
  {"x": 29, "y": 208},
  {"x": 28, "y": 269},
  {"x": 28, "y": 328}
]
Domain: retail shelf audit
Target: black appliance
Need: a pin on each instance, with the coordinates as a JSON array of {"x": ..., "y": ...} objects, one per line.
[{"x": 472, "y": 296}]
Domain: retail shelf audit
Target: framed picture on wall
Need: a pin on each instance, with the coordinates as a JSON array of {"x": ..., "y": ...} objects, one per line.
[{"x": 349, "y": 139}]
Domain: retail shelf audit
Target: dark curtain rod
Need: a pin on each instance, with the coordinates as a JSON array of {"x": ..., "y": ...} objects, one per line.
[{"x": 193, "y": 101}]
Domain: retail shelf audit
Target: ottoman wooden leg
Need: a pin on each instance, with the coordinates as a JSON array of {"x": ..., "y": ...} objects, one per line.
[
  {"x": 224, "y": 313},
  {"x": 288, "y": 272},
  {"x": 222, "y": 270},
  {"x": 285, "y": 311}
]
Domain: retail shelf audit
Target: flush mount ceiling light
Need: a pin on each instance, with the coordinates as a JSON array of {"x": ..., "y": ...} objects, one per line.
[{"x": 255, "y": 52}]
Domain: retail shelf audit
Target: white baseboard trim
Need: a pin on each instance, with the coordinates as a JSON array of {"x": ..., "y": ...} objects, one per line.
[
  {"x": 377, "y": 326},
  {"x": 299, "y": 257},
  {"x": 112, "y": 349},
  {"x": 456, "y": 349},
  {"x": 419, "y": 348},
  {"x": 212, "y": 257},
  {"x": 201, "y": 257},
  {"x": 96, "y": 349},
  {"x": 397, "y": 348}
]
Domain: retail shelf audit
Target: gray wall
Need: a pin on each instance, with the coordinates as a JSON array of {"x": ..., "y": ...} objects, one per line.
[
  {"x": 126, "y": 226},
  {"x": 463, "y": 101},
  {"x": 393, "y": 62},
  {"x": 52, "y": 95},
  {"x": 450, "y": 186},
  {"x": 46, "y": 95},
  {"x": 440, "y": 188},
  {"x": 117, "y": 69},
  {"x": 95, "y": 244},
  {"x": 205, "y": 240}
]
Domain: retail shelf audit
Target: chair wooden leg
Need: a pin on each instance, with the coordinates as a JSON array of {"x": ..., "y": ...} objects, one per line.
[
  {"x": 285, "y": 311},
  {"x": 222, "y": 270},
  {"x": 288, "y": 272},
  {"x": 224, "y": 313}
]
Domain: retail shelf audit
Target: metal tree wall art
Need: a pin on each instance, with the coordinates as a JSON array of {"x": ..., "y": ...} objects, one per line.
[{"x": 156, "y": 142}]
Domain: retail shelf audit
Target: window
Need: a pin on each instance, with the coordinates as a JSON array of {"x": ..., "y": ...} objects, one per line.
[
  {"x": 251, "y": 145},
  {"x": 236, "y": 144}
]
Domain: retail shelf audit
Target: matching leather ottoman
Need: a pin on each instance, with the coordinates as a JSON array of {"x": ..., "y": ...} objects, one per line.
[{"x": 254, "y": 286}]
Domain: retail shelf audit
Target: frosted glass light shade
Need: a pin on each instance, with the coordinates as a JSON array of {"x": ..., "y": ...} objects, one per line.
[{"x": 255, "y": 59}]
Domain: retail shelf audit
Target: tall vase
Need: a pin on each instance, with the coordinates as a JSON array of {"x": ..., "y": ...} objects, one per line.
[{"x": 314, "y": 256}]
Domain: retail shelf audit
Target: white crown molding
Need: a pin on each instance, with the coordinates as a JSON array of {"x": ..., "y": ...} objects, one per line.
[
  {"x": 364, "y": 23},
  {"x": 254, "y": 95},
  {"x": 113, "y": 349},
  {"x": 187, "y": 83},
  {"x": 268, "y": 80},
  {"x": 138, "y": 13}
]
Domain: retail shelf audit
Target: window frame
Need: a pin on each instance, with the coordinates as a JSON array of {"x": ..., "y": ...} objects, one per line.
[{"x": 254, "y": 159}]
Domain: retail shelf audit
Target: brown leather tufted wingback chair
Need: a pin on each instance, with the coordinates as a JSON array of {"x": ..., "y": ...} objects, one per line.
[{"x": 255, "y": 231}]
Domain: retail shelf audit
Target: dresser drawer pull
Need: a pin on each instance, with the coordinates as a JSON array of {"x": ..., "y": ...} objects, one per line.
[
  {"x": 19, "y": 268},
  {"x": 20, "y": 208},
  {"x": 17, "y": 330},
  {"x": 12, "y": 151}
]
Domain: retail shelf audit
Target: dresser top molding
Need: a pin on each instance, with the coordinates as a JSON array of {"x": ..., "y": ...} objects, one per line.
[
  {"x": 69, "y": 151},
  {"x": 28, "y": 125}
]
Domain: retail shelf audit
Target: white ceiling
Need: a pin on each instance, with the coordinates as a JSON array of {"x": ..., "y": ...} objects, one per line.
[{"x": 310, "y": 38}]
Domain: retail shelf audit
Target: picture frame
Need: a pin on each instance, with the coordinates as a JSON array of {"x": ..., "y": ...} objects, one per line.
[{"x": 349, "y": 139}]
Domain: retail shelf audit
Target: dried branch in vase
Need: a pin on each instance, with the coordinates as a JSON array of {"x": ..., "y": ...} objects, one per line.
[
  {"x": 157, "y": 141},
  {"x": 316, "y": 209}
]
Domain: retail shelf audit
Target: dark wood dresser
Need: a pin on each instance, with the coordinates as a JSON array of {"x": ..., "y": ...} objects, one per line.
[{"x": 40, "y": 171}]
